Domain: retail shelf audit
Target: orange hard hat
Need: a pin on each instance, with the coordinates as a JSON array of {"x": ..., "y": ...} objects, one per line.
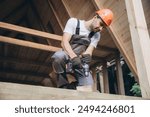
[{"x": 106, "y": 15}]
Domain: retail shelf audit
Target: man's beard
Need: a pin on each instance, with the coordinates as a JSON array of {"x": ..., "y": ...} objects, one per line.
[{"x": 96, "y": 29}]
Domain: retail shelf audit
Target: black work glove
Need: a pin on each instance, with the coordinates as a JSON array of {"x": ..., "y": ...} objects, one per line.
[
  {"x": 86, "y": 58},
  {"x": 76, "y": 62}
]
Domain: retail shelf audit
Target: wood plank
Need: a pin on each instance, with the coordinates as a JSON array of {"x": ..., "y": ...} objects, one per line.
[
  {"x": 29, "y": 31},
  {"x": 141, "y": 43},
  {"x": 17, "y": 91},
  {"x": 28, "y": 44}
]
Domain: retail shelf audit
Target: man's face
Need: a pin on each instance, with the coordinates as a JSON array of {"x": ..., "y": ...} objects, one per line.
[{"x": 97, "y": 25}]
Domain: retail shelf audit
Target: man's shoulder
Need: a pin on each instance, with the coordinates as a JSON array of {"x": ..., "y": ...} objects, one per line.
[
  {"x": 72, "y": 20},
  {"x": 71, "y": 25},
  {"x": 97, "y": 35}
]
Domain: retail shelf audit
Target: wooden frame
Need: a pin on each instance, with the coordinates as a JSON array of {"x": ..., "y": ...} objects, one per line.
[{"x": 141, "y": 43}]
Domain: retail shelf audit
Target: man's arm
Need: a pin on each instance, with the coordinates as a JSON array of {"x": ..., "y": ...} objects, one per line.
[
  {"x": 87, "y": 55},
  {"x": 94, "y": 41},
  {"x": 66, "y": 45},
  {"x": 89, "y": 50}
]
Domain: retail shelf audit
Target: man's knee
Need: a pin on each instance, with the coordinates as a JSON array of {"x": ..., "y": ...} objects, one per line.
[
  {"x": 58, "y": 60},
  {"x": 58, "y": 65}
]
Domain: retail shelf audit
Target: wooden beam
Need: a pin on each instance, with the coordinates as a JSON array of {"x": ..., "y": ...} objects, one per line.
[
  {"x": 30, "y": 31},
  {"x": 28, "y": 44},
  {"x": 141, "y": 43},
  {"x": 66, "y": 7},
  {"x": 25, "y": 92}
]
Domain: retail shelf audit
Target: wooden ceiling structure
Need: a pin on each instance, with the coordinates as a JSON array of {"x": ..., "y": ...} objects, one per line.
[{"x": 31, "y": 24}]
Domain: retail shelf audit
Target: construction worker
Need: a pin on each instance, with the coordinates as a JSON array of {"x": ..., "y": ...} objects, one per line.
[{"x": 78, "y": 42}]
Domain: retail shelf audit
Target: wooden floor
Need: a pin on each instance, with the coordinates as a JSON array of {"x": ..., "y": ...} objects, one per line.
[{"x": 18, "y": 91}]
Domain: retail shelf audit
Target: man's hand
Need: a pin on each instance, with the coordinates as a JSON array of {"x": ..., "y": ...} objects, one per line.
[
  {"x": 76, "y": 62},
  {"x": 86, "y": 58}
]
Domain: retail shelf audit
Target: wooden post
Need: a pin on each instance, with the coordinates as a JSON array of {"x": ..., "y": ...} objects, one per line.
[
  {"x": 101, "y": 82},
  {"x": 98, "y": 86},
  {"x": 141, "y": 43},
  {"x": 119, "y": 76},
  {"x": 94, "y": 79},
  {"x": 105, "y": 76}
]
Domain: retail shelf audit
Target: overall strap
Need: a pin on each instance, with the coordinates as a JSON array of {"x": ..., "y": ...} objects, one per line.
[
  {"x": 78, "y": 27},
  {"x": 91, "y": 34},
  {"x": 78, "y": 30}
]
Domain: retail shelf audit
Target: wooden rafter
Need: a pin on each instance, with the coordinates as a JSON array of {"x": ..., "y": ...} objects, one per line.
[
  {"x": 66, "y": 8},
  {"x": 50, "y": 3}
]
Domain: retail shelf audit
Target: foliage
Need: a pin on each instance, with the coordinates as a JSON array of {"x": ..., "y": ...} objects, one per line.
[{"x": 136, "y": 90}]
